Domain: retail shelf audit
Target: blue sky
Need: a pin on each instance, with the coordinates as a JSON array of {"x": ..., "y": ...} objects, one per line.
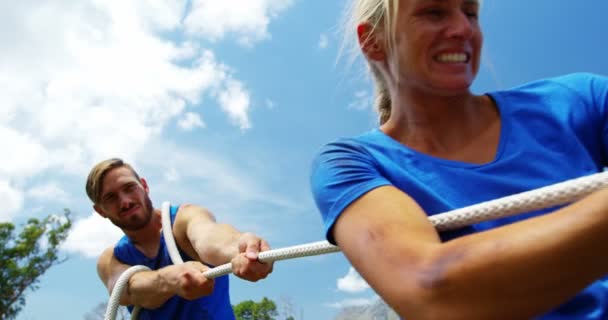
[{"x": 222, "y": 104}]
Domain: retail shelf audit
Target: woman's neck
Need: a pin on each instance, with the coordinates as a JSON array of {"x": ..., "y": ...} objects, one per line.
[{"x": 452, "y": 127}]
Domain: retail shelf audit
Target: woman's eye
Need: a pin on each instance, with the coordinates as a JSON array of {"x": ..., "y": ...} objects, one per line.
[
  {"x": 472, "y": 14},
  {"x": 434, "y": 12}
]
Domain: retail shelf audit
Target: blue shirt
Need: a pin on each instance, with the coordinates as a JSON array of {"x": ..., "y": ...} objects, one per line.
[
  {"x": 551, "y": 130},
  {"x": 213, "y": 307}
]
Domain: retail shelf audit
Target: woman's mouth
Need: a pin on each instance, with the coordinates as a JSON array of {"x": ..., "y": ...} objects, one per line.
[{"x": 454, "y": 57}]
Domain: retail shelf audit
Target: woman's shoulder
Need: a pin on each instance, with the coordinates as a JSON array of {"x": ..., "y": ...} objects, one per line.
[
  {"x": 554, "y": 92},
  {"x": 350, "y": 143},
  {"x": 364, "y": 144},
  {"x": 580, "y": 82}
]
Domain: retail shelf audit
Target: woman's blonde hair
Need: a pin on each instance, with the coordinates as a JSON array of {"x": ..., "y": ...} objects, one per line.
[{"x": 381, "y": 15}]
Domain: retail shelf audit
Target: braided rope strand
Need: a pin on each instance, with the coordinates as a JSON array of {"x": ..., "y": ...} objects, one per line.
[
  {"x": 545, "y": 197},
  {"x": 120, "y": 285},
  {"x": 303, "y": 250}
]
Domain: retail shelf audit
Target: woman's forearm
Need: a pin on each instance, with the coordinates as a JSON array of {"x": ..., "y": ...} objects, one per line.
[{"x": 512, "y": 272}]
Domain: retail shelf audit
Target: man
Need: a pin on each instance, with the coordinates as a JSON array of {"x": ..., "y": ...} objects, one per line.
[{"x": 169, "y": 291}]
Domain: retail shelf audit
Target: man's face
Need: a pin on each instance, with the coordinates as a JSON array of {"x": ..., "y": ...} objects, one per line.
[{"x": 124, "y": 200}]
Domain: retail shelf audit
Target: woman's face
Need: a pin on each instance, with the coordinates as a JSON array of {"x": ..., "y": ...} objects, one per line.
[{"x": 437, "y": 44}]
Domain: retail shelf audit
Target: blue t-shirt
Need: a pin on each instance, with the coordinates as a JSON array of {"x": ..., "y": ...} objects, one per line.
[
  {"x": 213, "y": 307},
  {"x": 551, "y": 130}
]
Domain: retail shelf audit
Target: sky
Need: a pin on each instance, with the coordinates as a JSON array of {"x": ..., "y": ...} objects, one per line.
[{"x": 220, "y": 103}]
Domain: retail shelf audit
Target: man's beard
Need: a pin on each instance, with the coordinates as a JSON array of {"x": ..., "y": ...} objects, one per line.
[{"x": 136, "y": 222}]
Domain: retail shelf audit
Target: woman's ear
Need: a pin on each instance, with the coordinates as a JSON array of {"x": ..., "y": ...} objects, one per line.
[{"x": 371, "y": 43}]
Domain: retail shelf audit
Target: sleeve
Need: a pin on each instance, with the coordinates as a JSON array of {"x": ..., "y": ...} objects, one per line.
[
  {"x": 341, "y": 173},
  {"x": 585, "y": 102},
  {"x": 599, "y": 95}
]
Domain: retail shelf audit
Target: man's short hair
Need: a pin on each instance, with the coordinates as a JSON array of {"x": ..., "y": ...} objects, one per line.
[{"x": 99, "y": 171}]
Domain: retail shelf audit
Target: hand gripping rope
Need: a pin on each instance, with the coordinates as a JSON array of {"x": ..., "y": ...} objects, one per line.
[{"x": 553, "y": 195}]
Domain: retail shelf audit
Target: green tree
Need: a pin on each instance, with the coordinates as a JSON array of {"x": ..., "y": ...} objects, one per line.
[
  {"x": 244, "y": 310},
  {"x": 26, "y": 256},
  {"x": 250, "y": 310}
]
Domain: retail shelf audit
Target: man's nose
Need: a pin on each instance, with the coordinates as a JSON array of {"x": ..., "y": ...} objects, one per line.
[{"x": 125, "y": 201}]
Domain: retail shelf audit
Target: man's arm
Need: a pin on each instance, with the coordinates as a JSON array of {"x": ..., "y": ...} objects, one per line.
[
  {"x": 197, "y": 233},
  {"x": 513, "y": 272},
  {"x": 151, "y": 289}
]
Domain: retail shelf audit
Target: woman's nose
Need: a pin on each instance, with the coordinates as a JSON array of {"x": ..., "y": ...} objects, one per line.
[{"x": 460, "y": 26}]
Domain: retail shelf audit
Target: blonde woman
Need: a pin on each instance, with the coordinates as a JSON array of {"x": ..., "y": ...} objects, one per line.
[{"x": 441, "y": 147}]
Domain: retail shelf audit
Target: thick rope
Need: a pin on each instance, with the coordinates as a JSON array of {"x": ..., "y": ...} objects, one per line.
[
  {"x": 299, "y": 251},
  {"x": 545, "y": 197},
  {"x": 557, "y": 194},
  {"x": 165, "y": 210},
  {"x": 121, "y": 283}
]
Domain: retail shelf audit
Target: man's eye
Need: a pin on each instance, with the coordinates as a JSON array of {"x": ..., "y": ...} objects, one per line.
[{"x": 109, "y": 198}]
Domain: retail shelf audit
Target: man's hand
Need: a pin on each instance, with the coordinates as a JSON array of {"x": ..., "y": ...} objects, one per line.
[
  {"x": 246, "y": 265},
  {"x": 187, "y": 280}
]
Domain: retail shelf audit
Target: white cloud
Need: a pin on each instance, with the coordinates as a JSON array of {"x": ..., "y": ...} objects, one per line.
[
  {"x": 323, "y": 41},
  {"x": 83, "y": 81},
  {"x": 357, "y": 302},
  {"x": 23, "y": 153},
  {"x": 191, "y": 120},
  {"x": 11, "y": 199},
  {"x": 97, "y": 67},
  {"x": 91, "y": 235},
  {"x": 363, "y": 100},
  {"x": 213, "y": 19},
  {"x": 171, "y": 175},
  {"x": 160, "y": 14},
  {"x": 352, "y": 282},
  {"x": 48, "y": 192},
  {"x": 235, "y": 101}
]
